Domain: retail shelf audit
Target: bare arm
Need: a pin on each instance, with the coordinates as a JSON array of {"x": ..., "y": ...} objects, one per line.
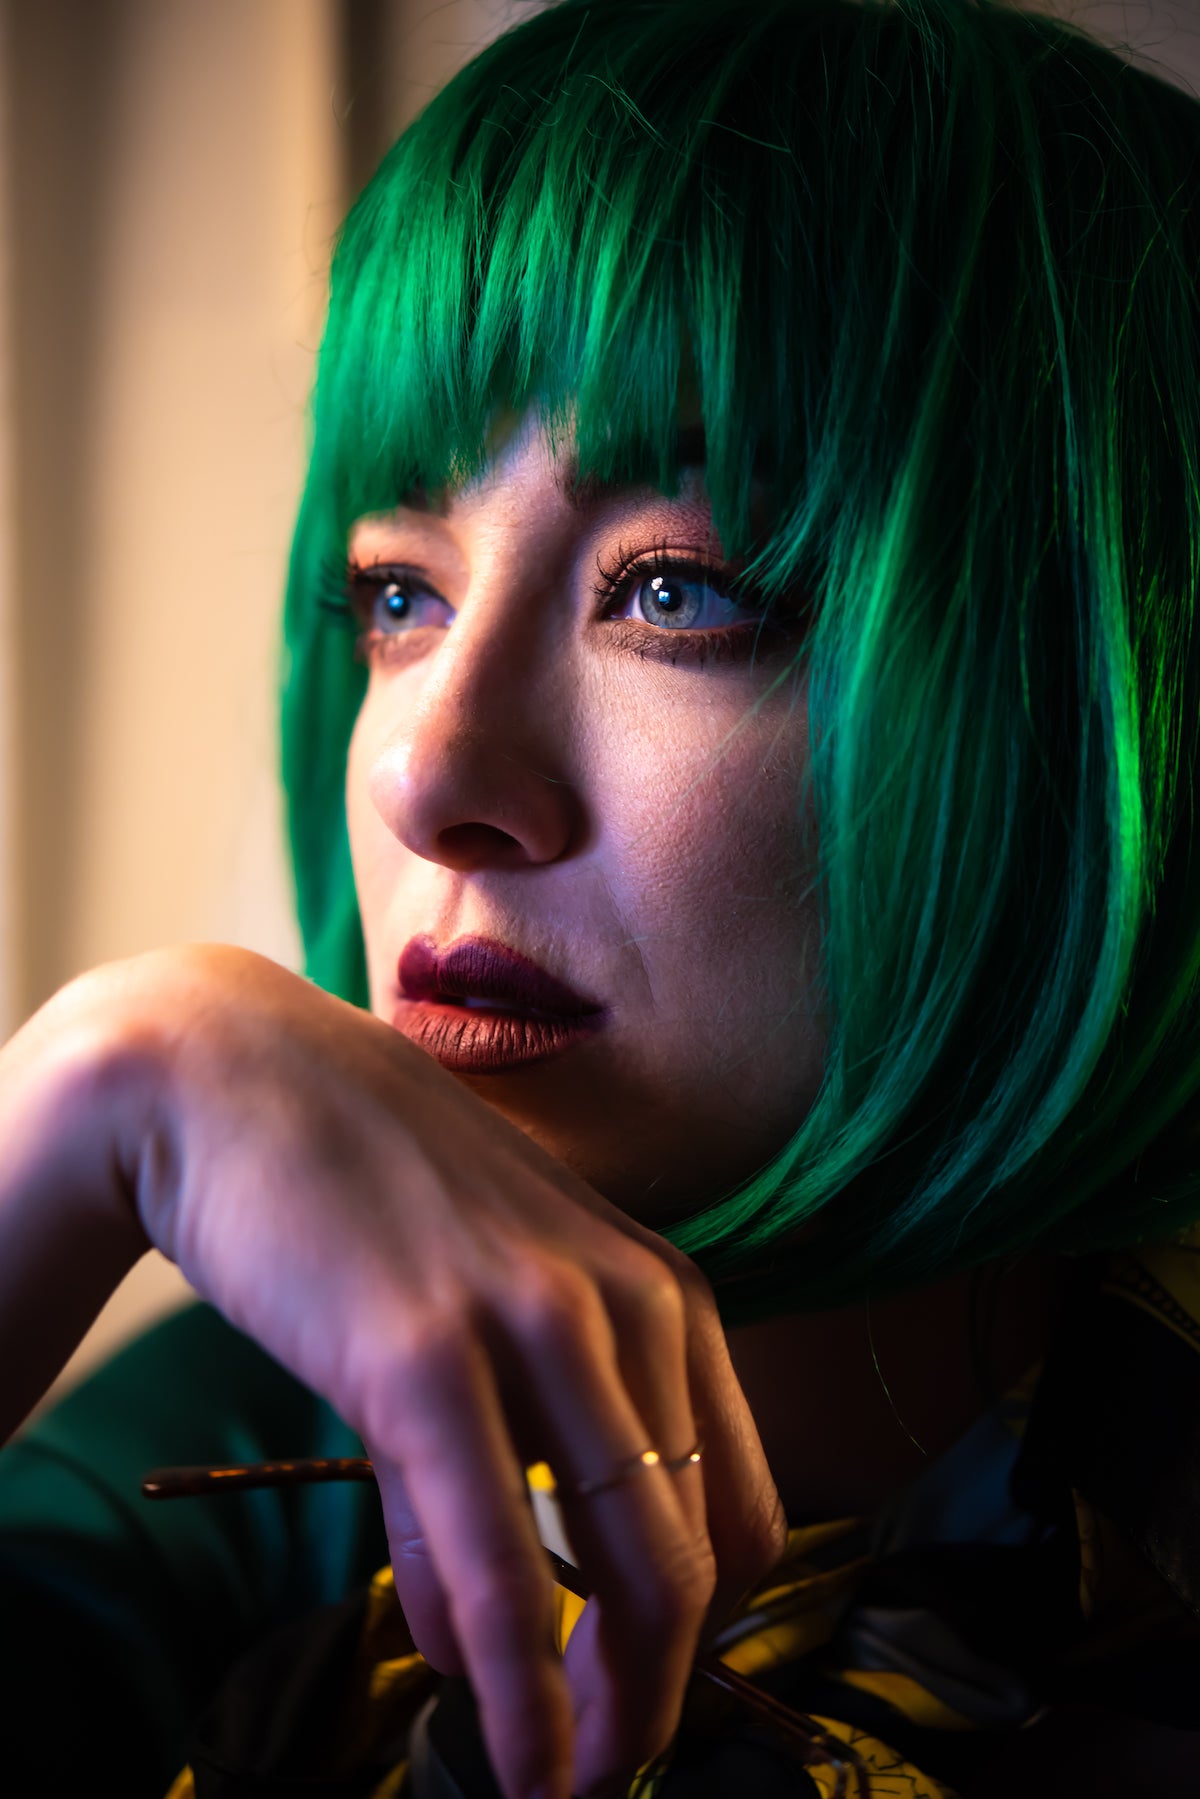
[
  {"x": 70, "y": 1104},
  {"x": 462, "y": 1300}
]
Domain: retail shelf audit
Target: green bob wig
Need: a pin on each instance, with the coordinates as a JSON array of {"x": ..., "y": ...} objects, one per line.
[{"x": 932, "y": 265}]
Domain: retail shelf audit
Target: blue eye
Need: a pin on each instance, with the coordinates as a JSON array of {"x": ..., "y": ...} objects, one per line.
[
  {"x": 394, "y": 603},
  {"x": 388, "y": 600},
  {"x": 677, "y": 599},
  {"x": 676, "y": 593},
  {"x": 678, "y": 608}
]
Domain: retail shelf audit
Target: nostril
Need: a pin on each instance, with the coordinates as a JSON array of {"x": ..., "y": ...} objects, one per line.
[{"x": 469, "y": 845}]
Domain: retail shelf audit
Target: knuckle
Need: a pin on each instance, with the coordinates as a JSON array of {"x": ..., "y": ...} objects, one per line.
[
  {"x": 651, "y": 1290},
  {"x": 694, "y": 1284},
  {"x": 677, "y": 1592},
  {"x": 433, "y": 1337},
  {"x": 704, "y": 1575},
  {"x": 373, "y": 1411},
  {"x": 409, "y": 1550},
  {"x": 552, "y": 1306},
  {"x": 385, "y": 1374},
  {"x": 699, "y": 1301}
]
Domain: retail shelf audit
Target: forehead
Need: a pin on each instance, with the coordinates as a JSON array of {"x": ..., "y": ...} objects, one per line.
[
  {"x": 532, "y": 471},
  {"x": 522, "y": 449}
]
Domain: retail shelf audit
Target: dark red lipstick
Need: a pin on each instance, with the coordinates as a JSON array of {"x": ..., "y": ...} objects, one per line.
[{"x": 480, "y": 1007}]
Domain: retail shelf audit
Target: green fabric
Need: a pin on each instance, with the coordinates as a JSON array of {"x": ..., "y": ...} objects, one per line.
[{"x": 121, "y": 1615}]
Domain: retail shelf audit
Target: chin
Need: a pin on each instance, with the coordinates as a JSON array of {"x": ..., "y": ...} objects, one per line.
[
  {"x": 652, "y": 1168},
  {"x": 640, "y": 1187}
]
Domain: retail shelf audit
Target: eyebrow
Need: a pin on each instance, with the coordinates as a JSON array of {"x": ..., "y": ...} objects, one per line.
[{"x": 580, "y": 491}]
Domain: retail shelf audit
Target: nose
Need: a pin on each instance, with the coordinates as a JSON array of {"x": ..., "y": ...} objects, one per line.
[{"x": 473, "y": 771}]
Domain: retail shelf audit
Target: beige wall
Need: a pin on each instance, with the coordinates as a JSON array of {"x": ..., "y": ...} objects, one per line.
[
  {"x": 8, "y": 723},
  {"x": 178, "y": 175},
  {"x": 173, "y": 171}
]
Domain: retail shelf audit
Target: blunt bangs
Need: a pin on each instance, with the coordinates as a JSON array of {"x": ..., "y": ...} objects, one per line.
[
  {"x": 927, "y": 269},
  {"x": 615, "y": 230}
]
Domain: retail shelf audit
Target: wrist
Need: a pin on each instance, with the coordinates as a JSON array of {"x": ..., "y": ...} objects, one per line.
[
  {"x": 82, "y": 1086},
  {"x": 79, "y": 1092}
]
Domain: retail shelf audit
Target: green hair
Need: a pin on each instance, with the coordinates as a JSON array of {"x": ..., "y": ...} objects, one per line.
[{"x": 932, "y": 267}]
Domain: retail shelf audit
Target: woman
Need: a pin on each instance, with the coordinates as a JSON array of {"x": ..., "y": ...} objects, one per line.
[{"x": 755, "y": 453}]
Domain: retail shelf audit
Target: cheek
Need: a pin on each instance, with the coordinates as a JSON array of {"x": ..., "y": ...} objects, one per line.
[
  {"x": 370, "y": 840},
  {"x": 366, "y": 772},
  {"x": 358, "y": 800},
  {"x": 710, "y": 853},
  {"x": 710, "y": 787}
]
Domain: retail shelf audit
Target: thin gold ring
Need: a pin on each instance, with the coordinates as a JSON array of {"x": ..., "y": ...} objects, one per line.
[
  {"x": 646, "y": 1458},
  {"x": 686, "y": 1460}
]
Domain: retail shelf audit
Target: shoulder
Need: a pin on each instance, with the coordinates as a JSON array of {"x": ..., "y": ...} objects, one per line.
[{"x": 137, "y": 1608}]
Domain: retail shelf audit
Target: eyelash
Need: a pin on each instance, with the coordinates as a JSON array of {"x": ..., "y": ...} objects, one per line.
[{"x": 729, "y": 643}]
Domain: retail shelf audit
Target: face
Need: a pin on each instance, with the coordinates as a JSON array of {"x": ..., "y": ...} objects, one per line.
[{"x": 560, "y": 751}]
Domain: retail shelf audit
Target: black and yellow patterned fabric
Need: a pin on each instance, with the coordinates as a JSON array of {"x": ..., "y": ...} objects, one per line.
[{"x": 1051, "y": 1555}]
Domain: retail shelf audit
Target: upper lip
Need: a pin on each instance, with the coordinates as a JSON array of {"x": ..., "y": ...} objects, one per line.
[{"x": 482, "y": 968}]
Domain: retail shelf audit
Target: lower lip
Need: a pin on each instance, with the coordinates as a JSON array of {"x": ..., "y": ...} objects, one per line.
[{"x": 476, "y": 1041}]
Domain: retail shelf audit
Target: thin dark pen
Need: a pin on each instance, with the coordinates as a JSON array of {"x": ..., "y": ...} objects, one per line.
[{"x": 192, "y": 1482}]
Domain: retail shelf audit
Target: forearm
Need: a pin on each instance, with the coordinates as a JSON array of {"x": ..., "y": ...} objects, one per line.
[{"x": 71, "y": 1095}]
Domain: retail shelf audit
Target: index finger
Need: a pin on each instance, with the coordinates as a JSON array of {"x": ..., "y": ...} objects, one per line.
[{"x": 443, "y": 1425}]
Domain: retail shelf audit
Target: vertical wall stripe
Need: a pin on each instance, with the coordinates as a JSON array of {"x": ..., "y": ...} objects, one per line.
[{"x": 9, "y": 948}]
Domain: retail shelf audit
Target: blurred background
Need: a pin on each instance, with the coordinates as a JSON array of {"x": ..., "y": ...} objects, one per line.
[{"x": 171, "y": 176}]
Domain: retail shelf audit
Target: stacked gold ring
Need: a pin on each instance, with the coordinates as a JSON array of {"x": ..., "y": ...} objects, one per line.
[{"x": 646, "y": 1458}]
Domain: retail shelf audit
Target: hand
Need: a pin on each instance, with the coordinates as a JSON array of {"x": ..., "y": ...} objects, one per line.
[{"x": 469, "y": 1306}]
